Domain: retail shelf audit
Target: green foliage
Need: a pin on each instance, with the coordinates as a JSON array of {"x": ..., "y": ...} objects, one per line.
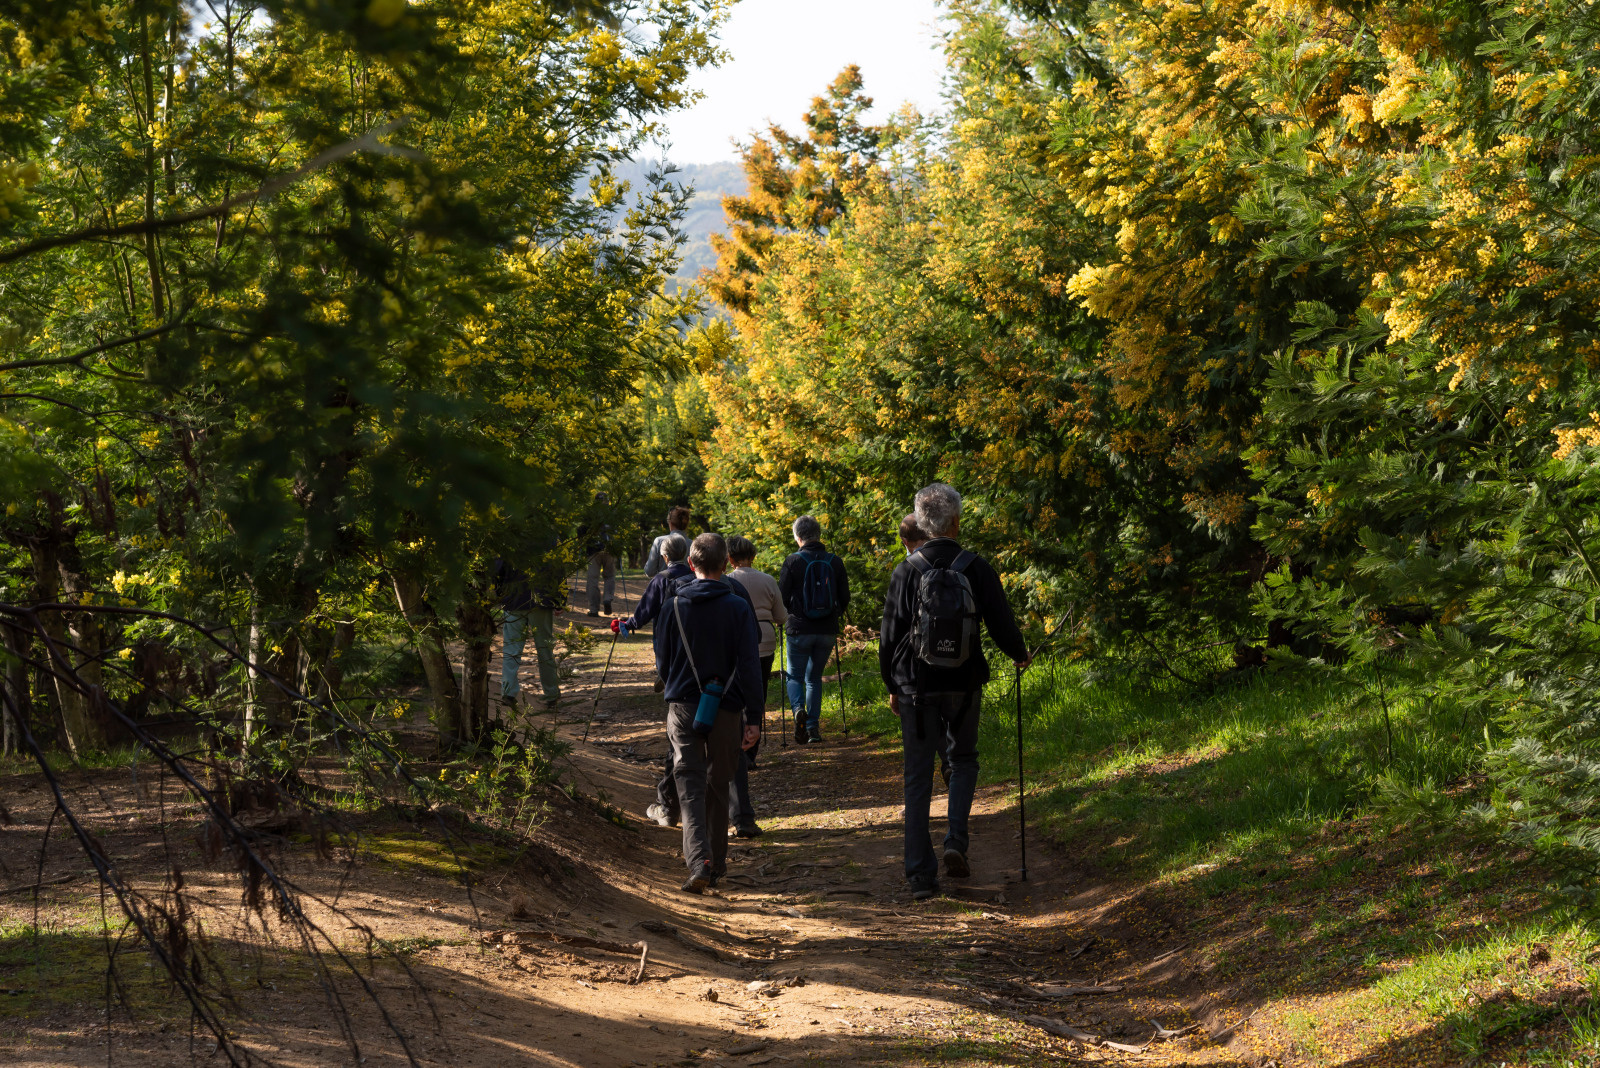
[
  {"x": 313, "y": 311},
  {"x": 1260, "y": 322}
]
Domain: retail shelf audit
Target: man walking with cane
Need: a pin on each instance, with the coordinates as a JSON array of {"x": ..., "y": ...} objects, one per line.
[
  {"x": 931, "y": 658},
  {"x": 708, "y": 655}
]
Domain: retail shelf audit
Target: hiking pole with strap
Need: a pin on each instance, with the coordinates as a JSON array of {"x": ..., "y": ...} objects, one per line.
[
  {"x": 1022, "y": 804},
  {"x": 838, "y": 663},
  {"x": 602, "y": 687}
]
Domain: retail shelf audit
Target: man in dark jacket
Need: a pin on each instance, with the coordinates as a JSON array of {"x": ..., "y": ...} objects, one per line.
[
  {"x": 938, "y": 705},
  {"x": 675, "y": 552},
  {"x": 707, "y": 632},
  {"x": 816, "y": 591},
  {"x": 528, "y": 607}
]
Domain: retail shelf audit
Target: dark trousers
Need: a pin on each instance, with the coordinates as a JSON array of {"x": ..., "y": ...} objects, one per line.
[
  {"x": 948, "y": 721},
  {"x": 667, "y": 786},
  {"x": 739, "y": 808},
  {"x": 702, "y": 767}
]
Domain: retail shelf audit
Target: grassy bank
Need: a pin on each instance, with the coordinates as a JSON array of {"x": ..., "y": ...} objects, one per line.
[{"x": 1248, "y": 818}]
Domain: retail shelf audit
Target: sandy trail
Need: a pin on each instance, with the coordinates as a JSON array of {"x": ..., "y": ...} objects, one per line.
[{"x": 817, "y": 908}]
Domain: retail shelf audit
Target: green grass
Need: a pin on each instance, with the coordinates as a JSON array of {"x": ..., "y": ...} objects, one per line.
[
  {"x": 1162, "y": 779},
  {"x": 1252, "y": 812}
]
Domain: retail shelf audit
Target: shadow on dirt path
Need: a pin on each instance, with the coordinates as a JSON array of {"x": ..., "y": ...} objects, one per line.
[{"x": 810, "y": 952}]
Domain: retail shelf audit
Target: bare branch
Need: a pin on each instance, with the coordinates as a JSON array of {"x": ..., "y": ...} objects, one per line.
[
  {"x": 367, "y": 142},
  {"x": 93, "y": 350}
]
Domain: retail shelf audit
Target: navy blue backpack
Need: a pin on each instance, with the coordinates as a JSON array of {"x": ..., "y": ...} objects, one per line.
[{"x": 818, "y": 598}]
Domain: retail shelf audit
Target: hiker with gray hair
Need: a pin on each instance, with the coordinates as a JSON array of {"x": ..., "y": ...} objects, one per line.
[
  {"x": 816, "y": 592},
  {"x": 931, "y": 657}
]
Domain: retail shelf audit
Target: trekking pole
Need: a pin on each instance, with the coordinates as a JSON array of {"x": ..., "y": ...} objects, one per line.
[
  {"x": 838, "y": 662},
  {"x": 783, "y": 688},
  {"x": 602, "y": 687},
  {"x": 1022, "y": 804}
]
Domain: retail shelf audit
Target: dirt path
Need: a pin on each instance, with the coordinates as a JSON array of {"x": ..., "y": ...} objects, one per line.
[{"x": 816, "y": 909}]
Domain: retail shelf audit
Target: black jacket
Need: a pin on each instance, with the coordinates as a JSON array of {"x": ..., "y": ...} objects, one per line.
[
  {"x": 657, "y": 592},
  {"x": 721, "y": 627},
  {"x": 517, "y": 591},
  {"x": 790, "y": 582},
  {"x": 902, "y": 672}
]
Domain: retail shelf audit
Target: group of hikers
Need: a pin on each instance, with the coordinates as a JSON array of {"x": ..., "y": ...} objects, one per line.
[{"x": 717, "y": 622}]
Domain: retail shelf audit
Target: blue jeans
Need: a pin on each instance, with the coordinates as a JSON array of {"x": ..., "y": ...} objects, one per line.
[
  {"x": 808, "y": 655},
  {"x": 517, "y": 624},
  {"x": 948, "y": 721}
]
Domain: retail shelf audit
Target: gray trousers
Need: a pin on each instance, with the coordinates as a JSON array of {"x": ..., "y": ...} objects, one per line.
[
  {"x": 946, "y": 721},
  {"x": 701, "y": 769},
  {"x": 606, "y": 564}
]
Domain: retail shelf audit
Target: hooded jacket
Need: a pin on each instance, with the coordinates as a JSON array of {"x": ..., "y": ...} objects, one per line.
[
  {"x": 902, "y": 672},
  {"x": 655, "y": 594},
  {"x": 721, "y": 628}
]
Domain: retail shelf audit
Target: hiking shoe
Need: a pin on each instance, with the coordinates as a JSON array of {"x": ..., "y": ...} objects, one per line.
[
  {"x": 663, "y": 818},
  {"x": 700, "y": 881},
  {"x": 594, "y": 611},
  {"x": 606, "y": 608},
  {"x": 799, "y": 730},
  {"x": 955, "y": 864},
  {"x": 747, "y": 830},
  {"x": 923, "y": 888},
  {"x": 813, "y": 736}
]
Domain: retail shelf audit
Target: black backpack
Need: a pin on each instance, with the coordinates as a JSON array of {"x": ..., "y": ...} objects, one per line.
[
  {"x": 818, "y": 600},
  {"x": 944, "y": 631}
]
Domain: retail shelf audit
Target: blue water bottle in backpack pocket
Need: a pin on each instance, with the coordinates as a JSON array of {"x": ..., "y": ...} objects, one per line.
[{"x": 705, "y": 716}]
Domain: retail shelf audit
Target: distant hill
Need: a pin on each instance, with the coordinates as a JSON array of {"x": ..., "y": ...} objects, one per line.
[{"x": 711, "y": 182}]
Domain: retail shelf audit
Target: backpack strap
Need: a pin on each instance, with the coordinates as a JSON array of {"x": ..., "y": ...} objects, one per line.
[
  {"x": 962, "y": 561},
  {"x": 920, "y": 562},
  {"x": 677, "y": 612}
]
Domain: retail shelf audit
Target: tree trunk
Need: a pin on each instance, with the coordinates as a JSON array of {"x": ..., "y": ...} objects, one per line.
[
  {"x": 430, "y": 633},
  {"x": 326, "y": 641},
  {"x": 17, "y": 702},
  {"x": 344, "y": 639},
  {"x": 78, "y": 721},
  {"x": 477, "y": 629},
  {"x": 252, "y": 686}
]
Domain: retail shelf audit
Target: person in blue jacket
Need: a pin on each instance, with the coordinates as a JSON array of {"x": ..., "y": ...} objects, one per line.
[{"x": 708, "y": 634}]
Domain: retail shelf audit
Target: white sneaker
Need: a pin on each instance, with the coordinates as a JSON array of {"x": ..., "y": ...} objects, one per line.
[{"x": 662, "y": 817}]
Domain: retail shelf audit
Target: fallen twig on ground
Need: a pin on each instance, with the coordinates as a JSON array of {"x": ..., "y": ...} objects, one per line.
[
  {"x": 57, "y": 881},
  {"x": 1050, "y": 990},
  {"x": 644, "y": 958},
  {"x": 512, "y": 938}
]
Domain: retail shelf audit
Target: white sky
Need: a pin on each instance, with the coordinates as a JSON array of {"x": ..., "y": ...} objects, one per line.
[{"x": 785, "y": 52}]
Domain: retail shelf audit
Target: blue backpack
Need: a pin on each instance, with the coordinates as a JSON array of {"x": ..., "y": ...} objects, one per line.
[{"x": 818, "y": 600}]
